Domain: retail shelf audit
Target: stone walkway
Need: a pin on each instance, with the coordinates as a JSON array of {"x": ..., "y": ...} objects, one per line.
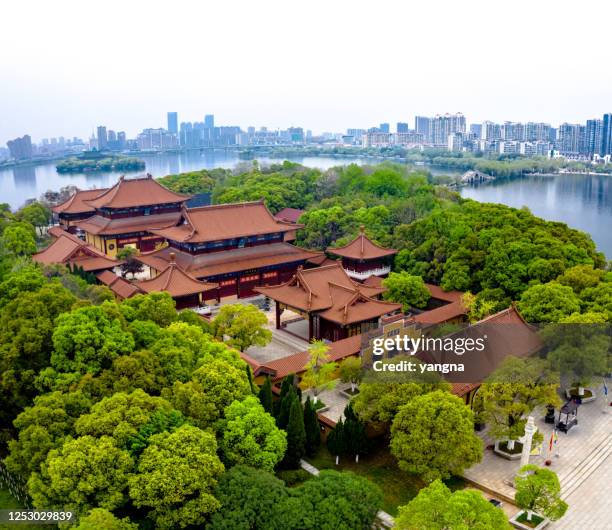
[{"x": 334, "y": 400}]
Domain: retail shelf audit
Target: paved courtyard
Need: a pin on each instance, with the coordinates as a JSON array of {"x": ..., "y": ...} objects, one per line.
[
  {"x": 334, "y": 400},
  {"x": 583, "y": 464}
]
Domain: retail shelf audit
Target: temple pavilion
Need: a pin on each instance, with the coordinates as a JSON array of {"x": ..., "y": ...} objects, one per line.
[
  {"x": 363, "y": 258},
  {"x": 334, "y": 306},
  {"x": 75, "y": 208},
  {"x": 237, "y": 246},
  {"x": 124, "y": 214}
]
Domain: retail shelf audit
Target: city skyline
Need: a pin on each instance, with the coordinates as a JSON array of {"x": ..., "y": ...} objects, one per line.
[{"x": 252, "y": 65}]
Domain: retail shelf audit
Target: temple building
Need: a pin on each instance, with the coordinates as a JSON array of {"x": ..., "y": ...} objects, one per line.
[
  {"x": 73, "y": 252},
  {"x": 125, "y": 213},
  {"x": 362, "y": 258},
  {"x": 333, "y": 305},
  {"x": 76, "y": 209},
  {"x": 237, "y": 246}
]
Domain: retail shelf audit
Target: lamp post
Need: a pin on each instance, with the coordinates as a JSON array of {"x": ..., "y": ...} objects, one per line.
[{"x": 530, "y": 430}]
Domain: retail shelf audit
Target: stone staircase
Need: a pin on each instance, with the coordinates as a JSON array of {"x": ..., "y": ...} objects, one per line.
[{"x": 572, "y": 481}]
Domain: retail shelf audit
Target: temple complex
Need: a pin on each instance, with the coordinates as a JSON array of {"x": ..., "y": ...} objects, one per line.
[
  {"x": 124, "y": 214},
  {"x": 362, "y": 258},
  {"x": 335, "y": 306},
  {"x": 237, "y": 246}
]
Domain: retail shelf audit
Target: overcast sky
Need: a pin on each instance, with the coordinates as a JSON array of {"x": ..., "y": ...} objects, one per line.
[{"x": 67, "y": 66}]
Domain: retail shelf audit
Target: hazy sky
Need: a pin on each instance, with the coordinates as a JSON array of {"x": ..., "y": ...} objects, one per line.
[{"x": 67, "y": 66}]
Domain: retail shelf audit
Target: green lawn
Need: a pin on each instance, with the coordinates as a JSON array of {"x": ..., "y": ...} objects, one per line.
[{"x": 381, "y": 467}]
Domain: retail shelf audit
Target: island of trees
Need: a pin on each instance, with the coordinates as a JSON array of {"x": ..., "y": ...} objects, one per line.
[{"x": 102, "y": 162}]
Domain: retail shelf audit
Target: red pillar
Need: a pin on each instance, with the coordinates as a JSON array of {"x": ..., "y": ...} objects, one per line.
[{"x": 310, "y": 327}]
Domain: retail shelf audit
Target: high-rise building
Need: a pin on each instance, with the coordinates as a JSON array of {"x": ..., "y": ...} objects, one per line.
[
  {"x": 209, "y": 121},
  {"x": 422, "y": 125},
  {"x": 402, "y": 127},
  {"x": 445, "y": 125},
  {"x": 476, "y": 129},
  {"x": 20, "y": 148},
  {"x": 606, "y": 135},
  {"x": 173, "y": 122},
  {"x": 384, "y": 128},
  {"x": 570, "y": 138},
  {"x": 102, "y": 138},
  {"x": 513, "y": 131},
  {"x": 537, "y": 132},
  {"x": 490, "y": 131},
  {"x": 593, "y": 137}
]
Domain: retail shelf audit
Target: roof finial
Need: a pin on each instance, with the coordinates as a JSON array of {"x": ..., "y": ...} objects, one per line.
[
  {"x": 122, "y": 177},
  {"x": 172, "y": 258},
  {"x": 362, "y": 229},
  {"x": 149, "y": 176}
]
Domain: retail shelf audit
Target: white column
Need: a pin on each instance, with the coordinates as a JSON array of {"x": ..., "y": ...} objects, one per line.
[{"x": 530, "y": 430}]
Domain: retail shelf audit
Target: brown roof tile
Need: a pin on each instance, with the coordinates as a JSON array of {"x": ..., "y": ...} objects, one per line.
[
  {"x": 228, "y": 261},
  {"x": 224, "y": 221},
  {"x": 296, "y": 363},
  {"x": 103, "y": 226},
  {"x": 176, "y": 282},
  {"x": 128, "y": 193},
  {"x": 290, "y": 215},
  {"x": 76, "y": 204},
  {"x": 362, "y": 248},
  {"x": 120, "y": 286},
  {"x": 330, "y": 291}
]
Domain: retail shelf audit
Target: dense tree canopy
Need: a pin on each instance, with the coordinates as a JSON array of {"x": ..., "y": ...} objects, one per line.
[{"x": 433, "y": 436}]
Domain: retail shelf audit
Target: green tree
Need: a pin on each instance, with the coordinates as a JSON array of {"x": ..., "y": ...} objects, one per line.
[
  {"x": 87, "y": 340},
  {"x": 511, "y": 392},
  {"x": 177, "y": 473},
  {"x": 248, "y": 499},
  {"x": 248, "y": 435},
  {"x": 433, "y": 436},
  {"x": 18, "y": 240},
  {"x": 158, "y": 307},
  {"x": 42, "y": 427},
  {"x": 549, "y": 302},
  {"x": 336, "y": 440},
  {"x": 282, "y": 419},
  {"x": 406, "y": 289},
  {"x": 312, "y": 428},
  {"x": 581, "y": 277},
  {"x": 99, "y": 518},
  {"x": 436, "y": 508},
  {"x": 162, "y": 420},
  {"x": 243, "y": 325},
  {"x": 331, "y": 500},
  {"x": 538, "y": 490},
  {"x": 296, "y": 436},
  {"x": 120, "y": 416},
  {"x": 319, "y": 371},
  {"x": 265, "y": 396},
  {"x": 351, "y": 371},
  {"x": 354, "y": 433},
  {"x": 36, "y": 214},
  {"x": 380, "y": 402},
  {"x": 84, "y": 473},
  {"x": 214, "y": 386}
]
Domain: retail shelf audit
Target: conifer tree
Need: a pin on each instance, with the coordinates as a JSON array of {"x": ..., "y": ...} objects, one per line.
[
  {"x": 296, "y": 436},
  {"x": 313, "y": 431},
  {"x": 355, "y": 439},
  {"x": 287, "y": 400},
  {"x": 336, "y": 442},
  {"x": 285, "y": 386},
  {"x": 265, "y": 395}
]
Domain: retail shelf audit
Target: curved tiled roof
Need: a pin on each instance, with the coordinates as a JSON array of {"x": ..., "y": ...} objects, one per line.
[
  {"x": 76, "y": 204},
  {"x": 176, "y": 282},
  {"x": 289, "y": 215},
  {"x": 97, "y": 224},
  {"x": 329, "y": 291},
  {"x": 362, "y": 248},
  {"x": 228, "y": 261},
  {"x": 224, "y": 221},
  {"x": 128, "y": 193}
]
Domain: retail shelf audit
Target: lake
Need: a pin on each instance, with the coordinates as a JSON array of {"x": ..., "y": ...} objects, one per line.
[{"x": 581, "y": 201}]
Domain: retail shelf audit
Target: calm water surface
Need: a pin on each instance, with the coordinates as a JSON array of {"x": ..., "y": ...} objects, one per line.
[{"x": 583, "y": 202}]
